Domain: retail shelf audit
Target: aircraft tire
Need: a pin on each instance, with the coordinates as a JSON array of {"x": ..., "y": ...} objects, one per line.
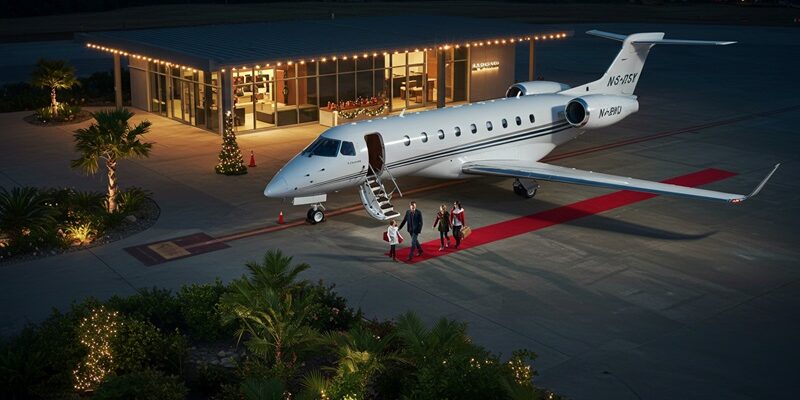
[{"x": 315, "y": 216}]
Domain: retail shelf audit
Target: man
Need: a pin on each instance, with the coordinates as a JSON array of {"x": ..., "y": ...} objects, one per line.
[{"x": 414, "y": 220}]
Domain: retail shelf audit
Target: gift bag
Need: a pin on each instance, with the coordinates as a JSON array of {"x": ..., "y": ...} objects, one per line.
[
  {"x": 465, "y": 231},
  {"x": 385, "y": 236}
]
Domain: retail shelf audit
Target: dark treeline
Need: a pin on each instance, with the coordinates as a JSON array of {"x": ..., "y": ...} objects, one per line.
[{"x": 26, "y": 8}]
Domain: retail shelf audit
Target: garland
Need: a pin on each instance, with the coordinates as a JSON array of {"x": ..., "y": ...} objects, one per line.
[{"x": 372, "y": 112}]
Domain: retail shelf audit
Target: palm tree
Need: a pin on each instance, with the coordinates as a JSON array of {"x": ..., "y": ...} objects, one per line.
[
  {"x": 361, "y": 357},
  {"x": 53, "y": 74},
  {"x": 24, "y": 211},
  {"x": 112, "y": 139},
  {"x": 276, "y": 272},
  {"x": 274, "y": 324}
]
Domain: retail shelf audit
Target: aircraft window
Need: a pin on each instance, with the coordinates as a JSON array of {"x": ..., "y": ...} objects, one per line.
[
  {"x": 519, "y": 121},
  {"x": 407, "y": 140},
  {"x": 532, "y": 119},
  {"x": 424, "y": 137},
  {"x": 473, "y": 128},
  {"x": 348, "y": 149},
  {"x": 441, "y": 134},
  {"x": 505, "y": 123},
  {"x": 322, "y": 147},
  {"x": 488, "y": 125},
  {"x": 457, "y": 131}
]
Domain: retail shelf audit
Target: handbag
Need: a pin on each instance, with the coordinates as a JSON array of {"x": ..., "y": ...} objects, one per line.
[{"x": 465, "y": 231}]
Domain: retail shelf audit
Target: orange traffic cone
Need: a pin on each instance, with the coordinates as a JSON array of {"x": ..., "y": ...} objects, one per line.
[
  {"x": 280, "y": 218},
  {"x": 252, "y": 159}
]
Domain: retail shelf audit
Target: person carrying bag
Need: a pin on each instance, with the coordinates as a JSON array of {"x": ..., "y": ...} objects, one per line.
[{"x": 458, "y": 221}]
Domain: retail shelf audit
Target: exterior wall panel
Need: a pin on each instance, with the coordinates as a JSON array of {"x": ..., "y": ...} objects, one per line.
[
  {"x": 139, "y": 87},
  {"x": 491, "y": 81}
]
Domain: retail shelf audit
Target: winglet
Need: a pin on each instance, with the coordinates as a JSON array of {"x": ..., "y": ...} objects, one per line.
[{"x": 759, "y": 187}]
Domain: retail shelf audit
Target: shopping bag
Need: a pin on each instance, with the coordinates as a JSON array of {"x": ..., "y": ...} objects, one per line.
[
  {"x": 385, "y": 236},
  {"x": 465, "y": 231}
]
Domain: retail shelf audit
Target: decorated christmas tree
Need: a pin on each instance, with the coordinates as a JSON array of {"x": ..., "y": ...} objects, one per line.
[{"x": 230, "y": 157}]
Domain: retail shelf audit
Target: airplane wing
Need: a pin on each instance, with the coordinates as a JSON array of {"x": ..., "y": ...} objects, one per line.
[{"x": 548, "y": 172}]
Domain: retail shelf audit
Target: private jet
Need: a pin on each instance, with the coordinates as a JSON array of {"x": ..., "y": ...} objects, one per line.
[{"x": 502, "y": 137}]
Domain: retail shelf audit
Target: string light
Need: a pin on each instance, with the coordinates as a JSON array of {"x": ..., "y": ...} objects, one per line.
[
  {"x": 96, "y": 333},
  {"x": 446, "y": 46}
]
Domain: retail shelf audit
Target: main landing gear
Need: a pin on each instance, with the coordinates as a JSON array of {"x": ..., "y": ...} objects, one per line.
[
  {"x": 525, "y": 187},
  {"x": 315, "y": 214}
]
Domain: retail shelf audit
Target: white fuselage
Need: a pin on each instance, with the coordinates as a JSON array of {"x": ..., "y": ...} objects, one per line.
[{"x": 434, "y": 143}]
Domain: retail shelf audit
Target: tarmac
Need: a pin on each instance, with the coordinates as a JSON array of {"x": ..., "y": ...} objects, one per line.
[{"x": 661, "y": 299}]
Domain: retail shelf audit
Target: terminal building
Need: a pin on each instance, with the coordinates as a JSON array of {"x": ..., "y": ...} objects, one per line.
[{"x": 277, "y": 74}]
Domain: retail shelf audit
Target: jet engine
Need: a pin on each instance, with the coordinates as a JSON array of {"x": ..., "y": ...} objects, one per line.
[
  {"x": 535, "y": 87},
  {"x": 599, "y": 110}
]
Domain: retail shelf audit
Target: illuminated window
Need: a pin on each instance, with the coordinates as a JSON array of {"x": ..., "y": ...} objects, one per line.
[
  {"x": 473, "y": 128},
  {"x": 424, "y": 137},
  {"x": 441, "y": 134},
  {"x": 519, "y": 121},
  {"x": 505, "y": 123},
  {"x": 488, "y": 125},
  {"x": 407, "y": 140},
  {"x": 457, "y": 131},
  {"x": 531, "y": 118}
]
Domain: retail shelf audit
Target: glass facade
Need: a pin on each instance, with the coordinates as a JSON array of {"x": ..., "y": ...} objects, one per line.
[
  {"x": 187, "y": 95},
  {"x": 276, "y": 95}
]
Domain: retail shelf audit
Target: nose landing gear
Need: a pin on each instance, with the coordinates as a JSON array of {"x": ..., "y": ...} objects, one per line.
[
  {"x": 525, "y": 187},
  {"x": 315, "y": 214}
]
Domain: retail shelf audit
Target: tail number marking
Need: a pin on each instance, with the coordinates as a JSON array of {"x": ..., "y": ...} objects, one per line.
[
  {"x": 622, "y": 79},
  {"x": 607, "y": 112}
]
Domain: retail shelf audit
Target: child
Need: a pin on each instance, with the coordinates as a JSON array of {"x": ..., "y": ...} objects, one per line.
[
  {"x": 457, "y": 221},
  {"x": 394, "y": 239},
  {"x": 443, "y": 220}
]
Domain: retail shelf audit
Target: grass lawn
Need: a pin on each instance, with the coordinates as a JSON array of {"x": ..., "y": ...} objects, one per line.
[{"x": 62, "y": 26}]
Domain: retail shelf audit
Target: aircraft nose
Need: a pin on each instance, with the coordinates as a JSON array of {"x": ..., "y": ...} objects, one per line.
[{"x": 277, "y": 187}]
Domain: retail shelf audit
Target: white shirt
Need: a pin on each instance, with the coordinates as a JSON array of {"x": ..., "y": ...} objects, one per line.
[
  {"x": 392, "y": 233},
  {"x": 456, "y": 221}
]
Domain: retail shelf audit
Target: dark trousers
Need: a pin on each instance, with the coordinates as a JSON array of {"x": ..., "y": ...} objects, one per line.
[
  {"x": 442, "y": 236},
  {"x": 392, "y": 251},
  {"x": 457, "y": 234},
  {"x": 414, "y": 245}
]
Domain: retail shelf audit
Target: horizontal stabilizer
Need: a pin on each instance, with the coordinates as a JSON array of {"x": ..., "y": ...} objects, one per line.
[{"x": 537, "y": 170}]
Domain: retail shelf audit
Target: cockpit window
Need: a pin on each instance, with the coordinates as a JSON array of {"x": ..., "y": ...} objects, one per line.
[
  {"x": 322, "y": 147},
  {"x": 348, "y": 149}
]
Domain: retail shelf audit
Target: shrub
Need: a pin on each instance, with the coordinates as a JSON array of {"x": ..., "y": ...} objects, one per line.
[
  {"x": 330, "y": 311},
  {"x": 140, "y": 345},
  {"x": 132, "y": 200},
  {"x": 142, "y": 385},
  {"x": 200, "y": 313},
  {"x": 157, "y": 306},
  {"x": 24, "y": 212},
  {"x": 66, "y": 112}
]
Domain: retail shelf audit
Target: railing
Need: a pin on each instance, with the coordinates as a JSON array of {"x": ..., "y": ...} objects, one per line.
[{"x": 394, "y": 181}]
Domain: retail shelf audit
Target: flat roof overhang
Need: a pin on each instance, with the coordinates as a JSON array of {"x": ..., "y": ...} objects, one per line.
[{"x": 214, "y": 47}]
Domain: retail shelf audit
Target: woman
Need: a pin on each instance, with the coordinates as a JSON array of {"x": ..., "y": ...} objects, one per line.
[
  {"x": 457, "y": 221},
  {"x": 443, "y": 220}
]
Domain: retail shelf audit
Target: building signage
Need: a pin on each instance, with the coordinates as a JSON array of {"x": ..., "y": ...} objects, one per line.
[{"x": 487, "y": 65}]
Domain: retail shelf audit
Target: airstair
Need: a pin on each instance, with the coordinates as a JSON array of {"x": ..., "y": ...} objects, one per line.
[{"x": 374, "y": 197}]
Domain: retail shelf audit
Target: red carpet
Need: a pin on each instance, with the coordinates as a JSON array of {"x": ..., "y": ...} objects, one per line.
[{"x": 544, "y": 219}]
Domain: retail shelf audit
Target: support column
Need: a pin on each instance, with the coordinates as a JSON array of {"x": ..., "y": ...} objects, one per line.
[
  {"x": 117, "y": 81},
  {"x": 440, "y": 78},
  {"x": 531, "y": 63},
  {"x": 227, "y": 97}
]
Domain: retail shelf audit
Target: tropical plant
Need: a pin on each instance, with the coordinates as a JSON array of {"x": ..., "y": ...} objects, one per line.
[
  {"x": 110, "y": 138},
  {"x": 24, "y": 212},
  {"x": 272, "y": 323},
  {"x": 262, "y": 389},
  {"x": 53, "y": 75},
  {"x": 132, "y": 199},
  {"x": 361, "y": 356},
  {"x": 277, "y": 273},
  {"x": 157, "y": 306},
  {"x": 420, "y": 344}
]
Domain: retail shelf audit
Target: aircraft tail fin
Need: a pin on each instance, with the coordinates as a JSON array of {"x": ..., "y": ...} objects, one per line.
[{"x": 626, "y": 69}]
